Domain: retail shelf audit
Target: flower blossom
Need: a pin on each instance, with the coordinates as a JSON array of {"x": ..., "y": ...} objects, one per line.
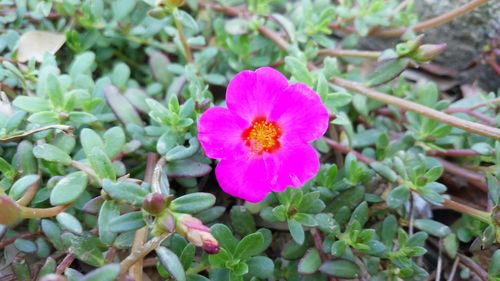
[{"x": 262, "y": 137}]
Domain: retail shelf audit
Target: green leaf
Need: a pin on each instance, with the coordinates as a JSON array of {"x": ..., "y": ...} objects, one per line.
[
  {"x": 101, "y": 164},
  {"x": 494, "y": 267},
  {"x": 172, "y": 263},
  {"x": 82, "y": 64},
  {"x": 187, "y": 168},
  {"x": 127, "y": 222},
  {"x": 125, "y": 191},
  {"x": 398, "y": 196},
  {"x": 451, "y": 245},
  {"x": 219, "y": 260},
  {"x": 68, "y": 189},
  {"x": 22, "y": 185},
  {"x": 433, "y": 227},
  {"x": 242, "y": 220},
  {"x": 52, "y": 232},
  {"x": 389, "y": 230},
  {"x": 340, "y": 268},
  {"x": 108, "y": 272},
  {"x": 121, "y": 107},
  {"x": 187, "y": 256},
  {"x": 249, "y": 245},
  {"x": 90, "y": 139},
  {"x": 31, "y": 104},
  {"x": 338, "y": 248},
  {"x": 86, "y": 248},
  {"x": 26, "y": 246},
  {"x": 224, "y": 236},
  {"x": 120, "y": 74},
  {"x": 433, "y": 173},
  {"x": 69, "y": 222},
  {"x": 296, "y": 230},
  {"x": 260, "y": 267},
  {"x": 181, "y": 152},
  {"x": 109, "y": 211},
  {"x": 384, "y": 171},
  {"x": 305, "y": 219},
  {"x": 298, "y": 70},
  {"x": 51, "y": 153},
  {"x": 44, "y": 117},
  {"x": 54, "y": 91},
  {"x": 81, "y": 118},
  {"x": 386, "y": 72},
  {"x": 360, "y": 214},
  {"x": 114, "y": 141},
  {"x": 193, "y": 203},
  {"x": 310, "y": 263}
]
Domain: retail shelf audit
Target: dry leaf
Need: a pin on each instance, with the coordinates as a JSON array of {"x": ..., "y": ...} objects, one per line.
[{"x": 34, "y": 44}]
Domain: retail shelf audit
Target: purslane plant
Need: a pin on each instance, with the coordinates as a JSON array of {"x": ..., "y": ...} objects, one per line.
[{"x": 332, "y": 163}]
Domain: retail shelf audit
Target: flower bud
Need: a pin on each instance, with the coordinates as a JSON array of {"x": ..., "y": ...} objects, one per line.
[
  {"x": 197, "y": 233},
  {"x": 427, "y": 52},
  {"x": 154, "y": 203},
  {"x": 10, "y": 210},
  {"x": 165, "y": 223}
]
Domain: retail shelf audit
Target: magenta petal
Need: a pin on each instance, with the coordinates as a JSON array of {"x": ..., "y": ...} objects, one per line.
[
  {"x": 244, "y": 178},
  {"x": 297, "y": 164},
  {"x": 301, "y": 113},
  {"x": 219, "y": 132},
  {"x": 251, "y": 94}
]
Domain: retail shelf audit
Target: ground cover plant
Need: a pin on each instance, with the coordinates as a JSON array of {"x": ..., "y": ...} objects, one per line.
[{"x": 242, "y": 140}]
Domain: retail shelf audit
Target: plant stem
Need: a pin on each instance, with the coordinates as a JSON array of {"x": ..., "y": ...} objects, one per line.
[
  {"x": 182, "y": 37},
  {"x": 65, "y": 128},
  {"x": 65, "y": 263},
  {"x": 451, "y": 120},
  {"x": 38, "y": 213},
  {"x": 431, "y": 23},
  {"x": 349, "y": 53},
  {"x": 450, "y": 204},
  {"x": 29, "y": 194},
  {"x": 141, "y": 234},
  {"x": 464, "y": 209},
  {"x": 453, "y": 153},
  {"x": 141, "y": 252},
  {"x": 84, "y": 168},
  {"x": 156, "y": 180}
]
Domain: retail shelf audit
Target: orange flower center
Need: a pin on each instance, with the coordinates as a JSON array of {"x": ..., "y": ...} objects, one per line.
[{"x": 262, "y": 135}]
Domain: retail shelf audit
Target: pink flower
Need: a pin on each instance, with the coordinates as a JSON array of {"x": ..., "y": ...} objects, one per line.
[{"x": 262, "y": 137}]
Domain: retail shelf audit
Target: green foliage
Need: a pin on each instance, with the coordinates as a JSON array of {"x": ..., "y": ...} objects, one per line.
[{"x": 101, "y": 114}]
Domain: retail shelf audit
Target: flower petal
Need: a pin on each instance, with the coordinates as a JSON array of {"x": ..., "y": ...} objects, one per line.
[
  {"x": 301, "y": 113},
  {"x": 244, "y": 178},
  {"x": 297, "y": 162},
  {"x": 251, "y": 94},
  {"x": 219, "y": 132}
]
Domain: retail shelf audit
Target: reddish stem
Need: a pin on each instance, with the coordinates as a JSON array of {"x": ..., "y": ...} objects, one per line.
[
  {"x": 65, "y": 263},
  {"x": 318, "y": 244},
  {"x": 9, "y": 241}
]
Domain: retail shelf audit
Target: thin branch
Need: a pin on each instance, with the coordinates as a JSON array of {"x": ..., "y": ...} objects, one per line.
[
  {"x": 350, "y": 53},
  {"x": 451, "y": 120},
  {"x": 450, "y": 204},
  {"x": 464, "y": 209},
  {"x": 431, "y": 23},
  {"x": 182, "y": 38},
  {"x": 65, "y": 263},
  {"x": 140, "y": 253},
  {"x": 30, "y": 193},
  {"x": 65, "y": 128},
  {"x": 142, "y": 234},
  {"x": 38, "y": 213}
]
